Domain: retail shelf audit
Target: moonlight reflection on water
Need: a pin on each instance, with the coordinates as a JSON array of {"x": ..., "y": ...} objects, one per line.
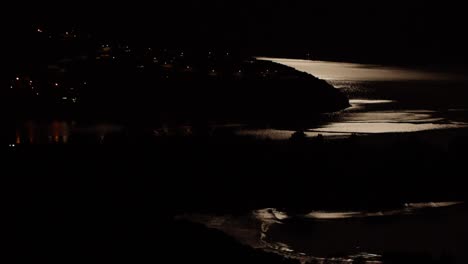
[{"x": 343, "y": 71}]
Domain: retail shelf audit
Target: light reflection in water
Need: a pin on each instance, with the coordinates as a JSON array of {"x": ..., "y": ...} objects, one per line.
[
  {"x": 388, "y": 127},
  {"x": 360, "y": 104},
  {"x": 409, "y": 208},
  {"x": 356, "y": 121},
  {"x": 60, "y": 132},
  {"x": 341, "y": 71}
]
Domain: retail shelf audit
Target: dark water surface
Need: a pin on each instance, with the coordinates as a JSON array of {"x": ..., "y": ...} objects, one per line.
[{"x": 384, "y": 101}]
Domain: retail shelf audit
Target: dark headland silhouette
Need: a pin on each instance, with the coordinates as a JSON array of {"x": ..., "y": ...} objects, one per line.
[{"x": 72, "y": 74}]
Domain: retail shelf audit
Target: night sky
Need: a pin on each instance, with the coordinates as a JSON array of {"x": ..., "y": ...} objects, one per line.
[{"x": 381, "y": 32}]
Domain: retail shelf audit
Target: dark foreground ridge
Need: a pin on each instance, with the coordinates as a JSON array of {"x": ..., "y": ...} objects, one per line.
[
  {"x": 116, "y": 203},
  {"x": 112, "y": 236}
]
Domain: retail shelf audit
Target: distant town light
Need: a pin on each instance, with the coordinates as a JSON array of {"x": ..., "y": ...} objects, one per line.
[
  {"x": 56, "y": 84},
  {"x": 11, "y": 86},
  {"x": 64, "y": 98},
  {"x": 17, "y": 78},
  {"x": 11, "y": 145},
  {"x": 37, "y": 94},
  {"x": 39, "y": 30}
]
